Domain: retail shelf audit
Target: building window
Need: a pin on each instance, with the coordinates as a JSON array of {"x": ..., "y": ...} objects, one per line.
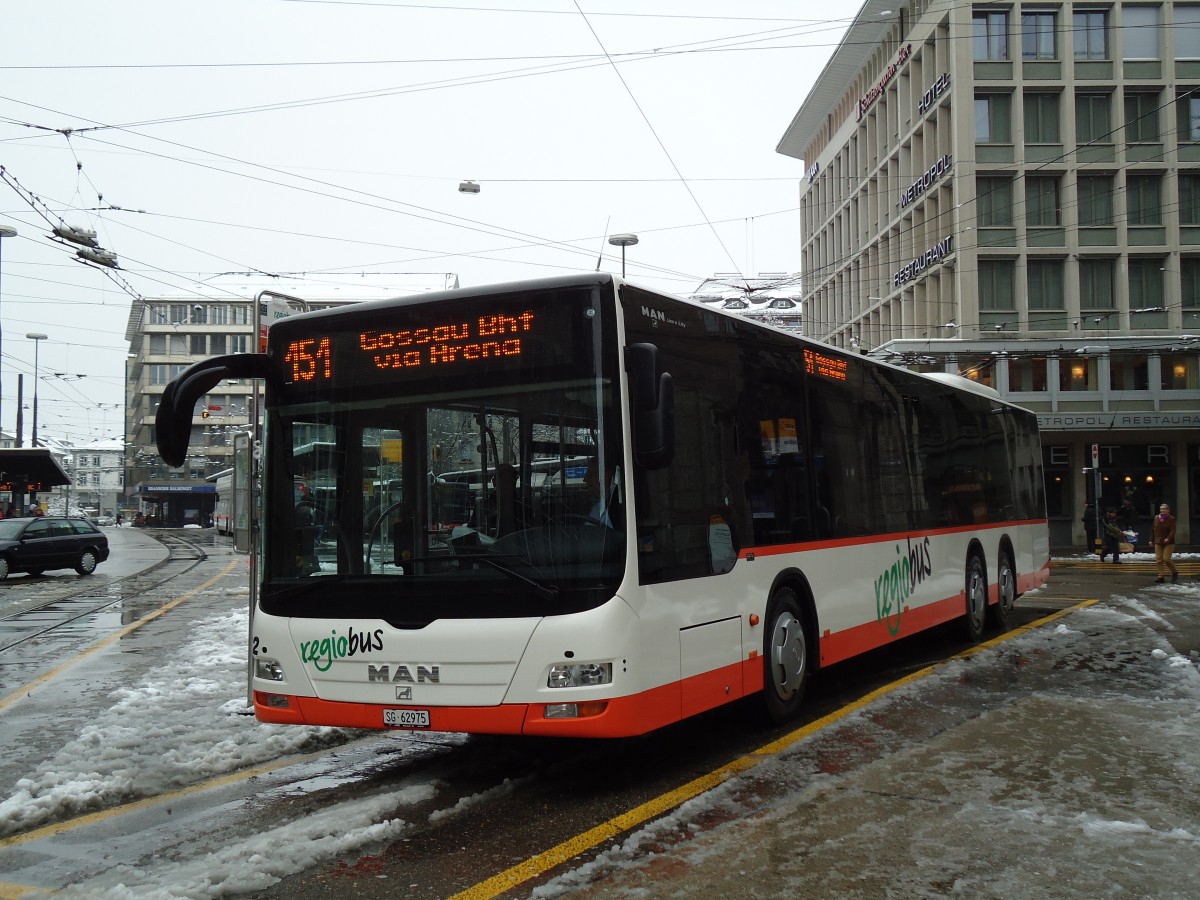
[
  {"x": 239, "y": 315},
  {"x": 198, "y": 344},
  {"x": 1129, "y": 372},
  {"x": 1077, "y": 373},
  {"x": 199, "y": 315},
  {"x": 83, "y": 461},
  {"x": 178, "y": 313},
  {"x": 158, "y": 374},
  {"x": 1143, "y": 195},
  {"x": 1095, "y": 200},
  {"x": 1139, "y": 27},
  {"x": 1145, "y": 284},
  {"x": 979, "y": 368},
  {"x": 1179, "y": 372},
  {"x": 1096, "y": 293},
  {"x": 990, "y": 33},
  {"x": 1044, "y": 280},
  {"x": 1189, "y": 276},
  {"x": 1141, "y": 118},
  {"x": 996, "y": 277},
  {"x": 1189, "y": 199},
  {"x": 239, "y": 343},
  {"x": 1041, "y": 119},
  {"x": 216, "y": 344},
  {"x": 1187, "y": 115},
  {"x": 1091, "y": 34},
  {"x": 1038, "y": 36},
  {"x": 1027, "y": 375},
  {"x": 1041, "y": 201},
  {"x": 1187, "y": 32},
  {"x": 993, "y": 119},
  {"x": 993, "y": 202},
  {"x": 158, "y": 344},
  {"x": 1093, "y": 118}
]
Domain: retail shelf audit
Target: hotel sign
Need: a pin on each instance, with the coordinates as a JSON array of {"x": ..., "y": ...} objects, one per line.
[
  {"x": 926, "y": 181},
  {"x": 934, "y": 254},
  {"x": 885, "y": 79},
  {"x": 935, "y": 90},
  {"x": 1117, "y": 421}
]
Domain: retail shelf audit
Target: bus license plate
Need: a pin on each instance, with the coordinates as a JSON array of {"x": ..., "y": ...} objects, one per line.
[{"x": 406, "y": 718}]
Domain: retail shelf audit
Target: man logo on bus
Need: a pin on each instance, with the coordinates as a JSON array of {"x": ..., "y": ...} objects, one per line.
[{"x": 897, "y": 583}]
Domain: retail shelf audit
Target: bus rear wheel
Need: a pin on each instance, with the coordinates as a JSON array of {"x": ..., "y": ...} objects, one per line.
[
  {"x": 785, "y": 657},
  {"x": 1006, "y": 590},
  {"x": 976, "y": 591}
]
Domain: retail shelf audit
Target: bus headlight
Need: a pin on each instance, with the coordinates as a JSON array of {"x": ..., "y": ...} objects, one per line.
[
  {"x": 579, "y": 675},
  {"x": 268, "y": 669}
]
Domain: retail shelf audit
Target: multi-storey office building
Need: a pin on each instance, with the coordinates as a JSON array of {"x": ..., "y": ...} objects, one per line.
[
  {"x": 167, "y": 334},
  {"x": 1012, "y": 191}
]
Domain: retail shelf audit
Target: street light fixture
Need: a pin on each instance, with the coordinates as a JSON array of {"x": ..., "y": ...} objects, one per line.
[
  {"x": 37, "y": 339},
  {"x": 6, "y": 231},
  {"x": 623, "y": 241}
]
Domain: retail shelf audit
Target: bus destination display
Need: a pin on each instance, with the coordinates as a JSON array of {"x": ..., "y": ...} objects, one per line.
[{"x": 444, "y": 346}]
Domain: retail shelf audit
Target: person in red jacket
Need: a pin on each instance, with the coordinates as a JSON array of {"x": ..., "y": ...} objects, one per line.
[{"x": 1164, "y": 543}]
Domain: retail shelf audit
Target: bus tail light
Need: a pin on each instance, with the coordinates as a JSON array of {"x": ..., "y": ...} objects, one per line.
[
  {"x": 575, "y": 710},
  {"x": 579, "y": 675}
]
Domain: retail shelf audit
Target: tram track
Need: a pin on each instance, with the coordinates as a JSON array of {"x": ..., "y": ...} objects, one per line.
[{"x": 82, "y": 601}]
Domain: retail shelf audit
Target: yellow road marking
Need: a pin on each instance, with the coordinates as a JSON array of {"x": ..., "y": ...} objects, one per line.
[
  {"x": 543, "y": 862},
  {"x": 57, "y": 828},
  {"x": 21, "y": 692}
]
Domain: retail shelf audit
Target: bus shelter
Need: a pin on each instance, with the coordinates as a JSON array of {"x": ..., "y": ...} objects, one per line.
[{"x": 24, "y": 473}]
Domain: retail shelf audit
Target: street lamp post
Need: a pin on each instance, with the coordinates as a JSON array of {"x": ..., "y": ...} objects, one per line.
[
  {"x": 37, "y": 339},
  {"x": 6, "y": 231},
  {"x": 623, "y": 241}
]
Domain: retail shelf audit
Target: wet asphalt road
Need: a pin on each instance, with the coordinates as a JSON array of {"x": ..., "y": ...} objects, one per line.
[{"x": 1060, "y": 763}]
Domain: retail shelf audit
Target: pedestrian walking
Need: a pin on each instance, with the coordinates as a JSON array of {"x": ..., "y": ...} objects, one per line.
[
  {"x": 1089, "y": 526},
  {"x": 1113, "y": 536},
  {"x": 1164, "y": 544}
]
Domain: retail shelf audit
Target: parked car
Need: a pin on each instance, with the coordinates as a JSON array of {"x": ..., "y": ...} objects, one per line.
[
  {"x": 34, "y": 544},
  {"x": 105, "y": 520}
]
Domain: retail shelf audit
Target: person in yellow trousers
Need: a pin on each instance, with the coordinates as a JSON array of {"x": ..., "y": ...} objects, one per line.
[{"x": 1164, "y": 544}]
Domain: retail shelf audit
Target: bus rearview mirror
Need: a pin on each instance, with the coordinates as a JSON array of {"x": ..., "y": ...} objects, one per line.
[{"x": 652, "y": 396}]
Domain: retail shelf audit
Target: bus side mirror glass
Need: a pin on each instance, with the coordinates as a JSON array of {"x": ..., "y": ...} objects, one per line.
[{"x": 652, "y": 395}]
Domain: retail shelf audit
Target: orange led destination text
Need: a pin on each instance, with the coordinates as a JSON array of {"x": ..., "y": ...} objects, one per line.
[
  {"x": 825, "y": 366},
  {"x": 486, "y": 337},
  {"x": 309, "y": 359}
]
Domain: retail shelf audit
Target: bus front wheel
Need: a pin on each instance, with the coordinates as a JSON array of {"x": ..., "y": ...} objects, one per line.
[
  {"x": 976, "y": 591},
  {"x": 785, "y": 657}
]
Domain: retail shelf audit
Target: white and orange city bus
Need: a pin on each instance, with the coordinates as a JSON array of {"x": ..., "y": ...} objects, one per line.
[{"x": 577, "y": 507}]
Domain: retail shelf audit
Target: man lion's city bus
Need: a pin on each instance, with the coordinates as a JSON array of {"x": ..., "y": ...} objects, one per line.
[{"x": 576, "y": 507}]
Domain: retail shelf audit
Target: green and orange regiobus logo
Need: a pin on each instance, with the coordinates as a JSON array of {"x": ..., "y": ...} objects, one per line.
[{"x": 899, "y": 580}]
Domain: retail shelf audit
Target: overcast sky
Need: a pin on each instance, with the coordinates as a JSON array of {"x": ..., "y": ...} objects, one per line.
[{"x": 324, "y": 138}]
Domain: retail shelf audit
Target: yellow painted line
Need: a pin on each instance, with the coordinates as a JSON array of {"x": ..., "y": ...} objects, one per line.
[
  {"x": 22, "y": 692},
  {"x": 543, "y": 862},
  {"x": 57, "y": 828},
  {"x": 12, "y": 891}
]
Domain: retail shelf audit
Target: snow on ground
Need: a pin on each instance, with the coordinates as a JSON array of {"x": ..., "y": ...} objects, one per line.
[{"x": 185, "y": 722}]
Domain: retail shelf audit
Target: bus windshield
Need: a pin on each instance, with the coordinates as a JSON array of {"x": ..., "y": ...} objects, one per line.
[{"x": 458, "y": 496}]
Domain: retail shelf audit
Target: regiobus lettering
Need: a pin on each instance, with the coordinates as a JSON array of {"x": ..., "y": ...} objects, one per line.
[
  {"x": 602, "y": 510},
  {"x": 899, "y": 581}
]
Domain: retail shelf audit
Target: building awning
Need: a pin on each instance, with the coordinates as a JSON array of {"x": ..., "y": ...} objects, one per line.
[{"x": 32, "y": 469}]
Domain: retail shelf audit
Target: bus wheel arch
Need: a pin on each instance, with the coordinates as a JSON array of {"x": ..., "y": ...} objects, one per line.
[
  {"x": 975, "y": 593},
  {"x": 1000, "y": 612},
  {"x": 789, "y": 647}
]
